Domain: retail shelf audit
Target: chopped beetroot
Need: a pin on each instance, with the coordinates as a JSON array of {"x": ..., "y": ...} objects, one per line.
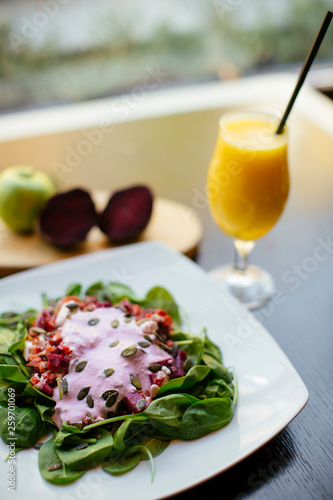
[
  {"x": 54, "y": 341},
  {"x": 127, "y": 213},
  {"x": 177, "y": 370},
  {"x": 64, "y": 363},
  {"x": 57, "y": 362},
  {"x": 34, "y": 362},
  {"x": 66, "y": 218},
  {"x": 46, "y": 388},
  {"x": 126, "y": 304},
  {"x": 156, "y": 379},
  {"x": 56, "y": 350},
  {"x": 165, "y": 362},
  {"x": 45, "y": 320},
  {"x": 106, "y": 303},
  {"x": 131, "y": 400},
  {"x": 54, "y": 361}
]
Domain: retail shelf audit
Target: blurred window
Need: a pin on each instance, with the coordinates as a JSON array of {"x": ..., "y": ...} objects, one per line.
[{"x": 59, "y": 51}]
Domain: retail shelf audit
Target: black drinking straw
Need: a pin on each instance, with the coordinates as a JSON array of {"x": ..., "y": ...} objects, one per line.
[{"x": 306, "y": 66}]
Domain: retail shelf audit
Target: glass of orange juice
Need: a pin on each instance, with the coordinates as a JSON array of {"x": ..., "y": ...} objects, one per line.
[{"x": 247, "y": 189}]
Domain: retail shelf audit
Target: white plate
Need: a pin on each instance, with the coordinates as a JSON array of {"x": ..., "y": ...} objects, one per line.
[{"x": 271, "y": 393}]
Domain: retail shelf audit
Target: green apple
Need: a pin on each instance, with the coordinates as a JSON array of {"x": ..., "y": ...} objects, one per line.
[{"x": 23, "y": 192}]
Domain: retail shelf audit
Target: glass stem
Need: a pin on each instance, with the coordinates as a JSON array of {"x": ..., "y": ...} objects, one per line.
[{"x": 242, "y": 252}]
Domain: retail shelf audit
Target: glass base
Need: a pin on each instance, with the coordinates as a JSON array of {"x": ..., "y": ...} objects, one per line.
[{"x": 252, "y": 287}]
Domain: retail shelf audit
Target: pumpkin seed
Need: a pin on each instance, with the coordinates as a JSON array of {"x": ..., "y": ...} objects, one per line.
[
  {"x": 140, "y": 321},
  {"x": 115, "y": 323},
  {"x": 108, "y": 393},
  {"x": 90, "y": 401},
  {"x": 122, "y": 309},
  {"x": 54, "y": 466},
  {"x": 128, "y": 320},
  {"x": 154, "y": 367},
  {"x": 114, "y": 343},
  {"x": 111, "y": 399},
  {"x": 72, "y": 307},
  {"x": 144, "y": 343},
  {"x": 159, "y": 337},
  {"x": 165, "y": 347},
  {"x": 80, "y": 365},
  {"x": 187, "y": 364},
  {"x": 108, "y": 372},
  {"x": 38, "y": 330},
  {"x": 141, "y": 404},
  {"x": 82, "y": 446},
  {"x": 93, "y": 321},
  {"x": 64, "y": 386},
  {"x": 147, "y": 338},
  {"x": 135, "y": 382},
  {"x": 129, "y": 351},
  {"x": 83, "y": 393},
  {"x": 174, "y": 349}
]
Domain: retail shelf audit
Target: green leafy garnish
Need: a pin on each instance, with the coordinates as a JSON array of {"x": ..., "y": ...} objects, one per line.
[{"x": 188, "y": 407}]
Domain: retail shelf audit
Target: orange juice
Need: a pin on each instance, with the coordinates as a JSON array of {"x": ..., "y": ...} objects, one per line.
[{"x": 248, "y": 180}]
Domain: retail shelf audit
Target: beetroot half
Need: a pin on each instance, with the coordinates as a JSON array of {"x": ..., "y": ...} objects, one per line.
[
  {"x": 66, "y": 218},
  {"x": 127, "y": 213}
]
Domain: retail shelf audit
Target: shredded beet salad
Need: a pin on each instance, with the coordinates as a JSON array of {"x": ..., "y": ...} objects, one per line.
[{"x": 54, "y": 361}]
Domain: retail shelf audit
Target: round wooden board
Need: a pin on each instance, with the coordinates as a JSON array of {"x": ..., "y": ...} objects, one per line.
[{"x": 173, "y": 223}]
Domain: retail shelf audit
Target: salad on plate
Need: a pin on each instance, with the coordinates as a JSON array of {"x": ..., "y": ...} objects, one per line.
[{"x": 102, "y": 377}]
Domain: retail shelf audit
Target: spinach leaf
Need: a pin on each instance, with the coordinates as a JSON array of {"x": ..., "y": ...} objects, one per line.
[
  {"x": 67, "y": 438},
  {"x": 121, "y": 463},
  {"x": 12, "y": 372},
  {"x": 193, "y": 345},
  {"x": 45, "y": 411},
  {"x": 30, "y": 391},
  {"x": 102, "y": 423},
  {"x": 4, "y": 386},
  {"x": 211, "y": 349},
  {"x": 113, "y": 291},
  {"x": 20, "y": 336},
  {"x": 7, "y": 337},
  {"x": 28, "y": 428},
  {"x": 160, "y": 298},
  {"x": 205, "y": 417},
  {"x": 52, "y": 468},
  {"x": 133, "y": 429},
  {"x": 12, "y": 339},
  {"x": 89, "y": 457},
  {"x": 195, "y": 375},
  {"x": 118, "y": 463},
  {"x": 166, "y": 413},
  {"x": 218, "y": 388},
  {"x": 220, "y": 370},
  {"x": 73, "y": 289},
  {"x": 63, "y": 434},
  {"x": 155, "y": 445}
]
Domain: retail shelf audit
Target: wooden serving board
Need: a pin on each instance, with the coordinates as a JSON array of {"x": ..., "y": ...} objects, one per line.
[{"x": 172, "y": 223}]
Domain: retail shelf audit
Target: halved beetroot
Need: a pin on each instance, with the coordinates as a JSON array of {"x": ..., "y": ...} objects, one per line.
[
  {"x": 66, "y": 218},
  {"x": 127, "y": 213}
]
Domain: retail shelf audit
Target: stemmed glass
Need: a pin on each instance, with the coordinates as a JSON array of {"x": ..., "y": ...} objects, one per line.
[{"x": 247, "y": 189}]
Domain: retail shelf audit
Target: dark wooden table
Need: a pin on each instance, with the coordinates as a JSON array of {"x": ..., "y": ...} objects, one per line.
[{"x": 297, "y": 463}]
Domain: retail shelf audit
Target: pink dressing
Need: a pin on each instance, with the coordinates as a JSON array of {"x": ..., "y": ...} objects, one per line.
[{"x": 91, "y": 343}]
